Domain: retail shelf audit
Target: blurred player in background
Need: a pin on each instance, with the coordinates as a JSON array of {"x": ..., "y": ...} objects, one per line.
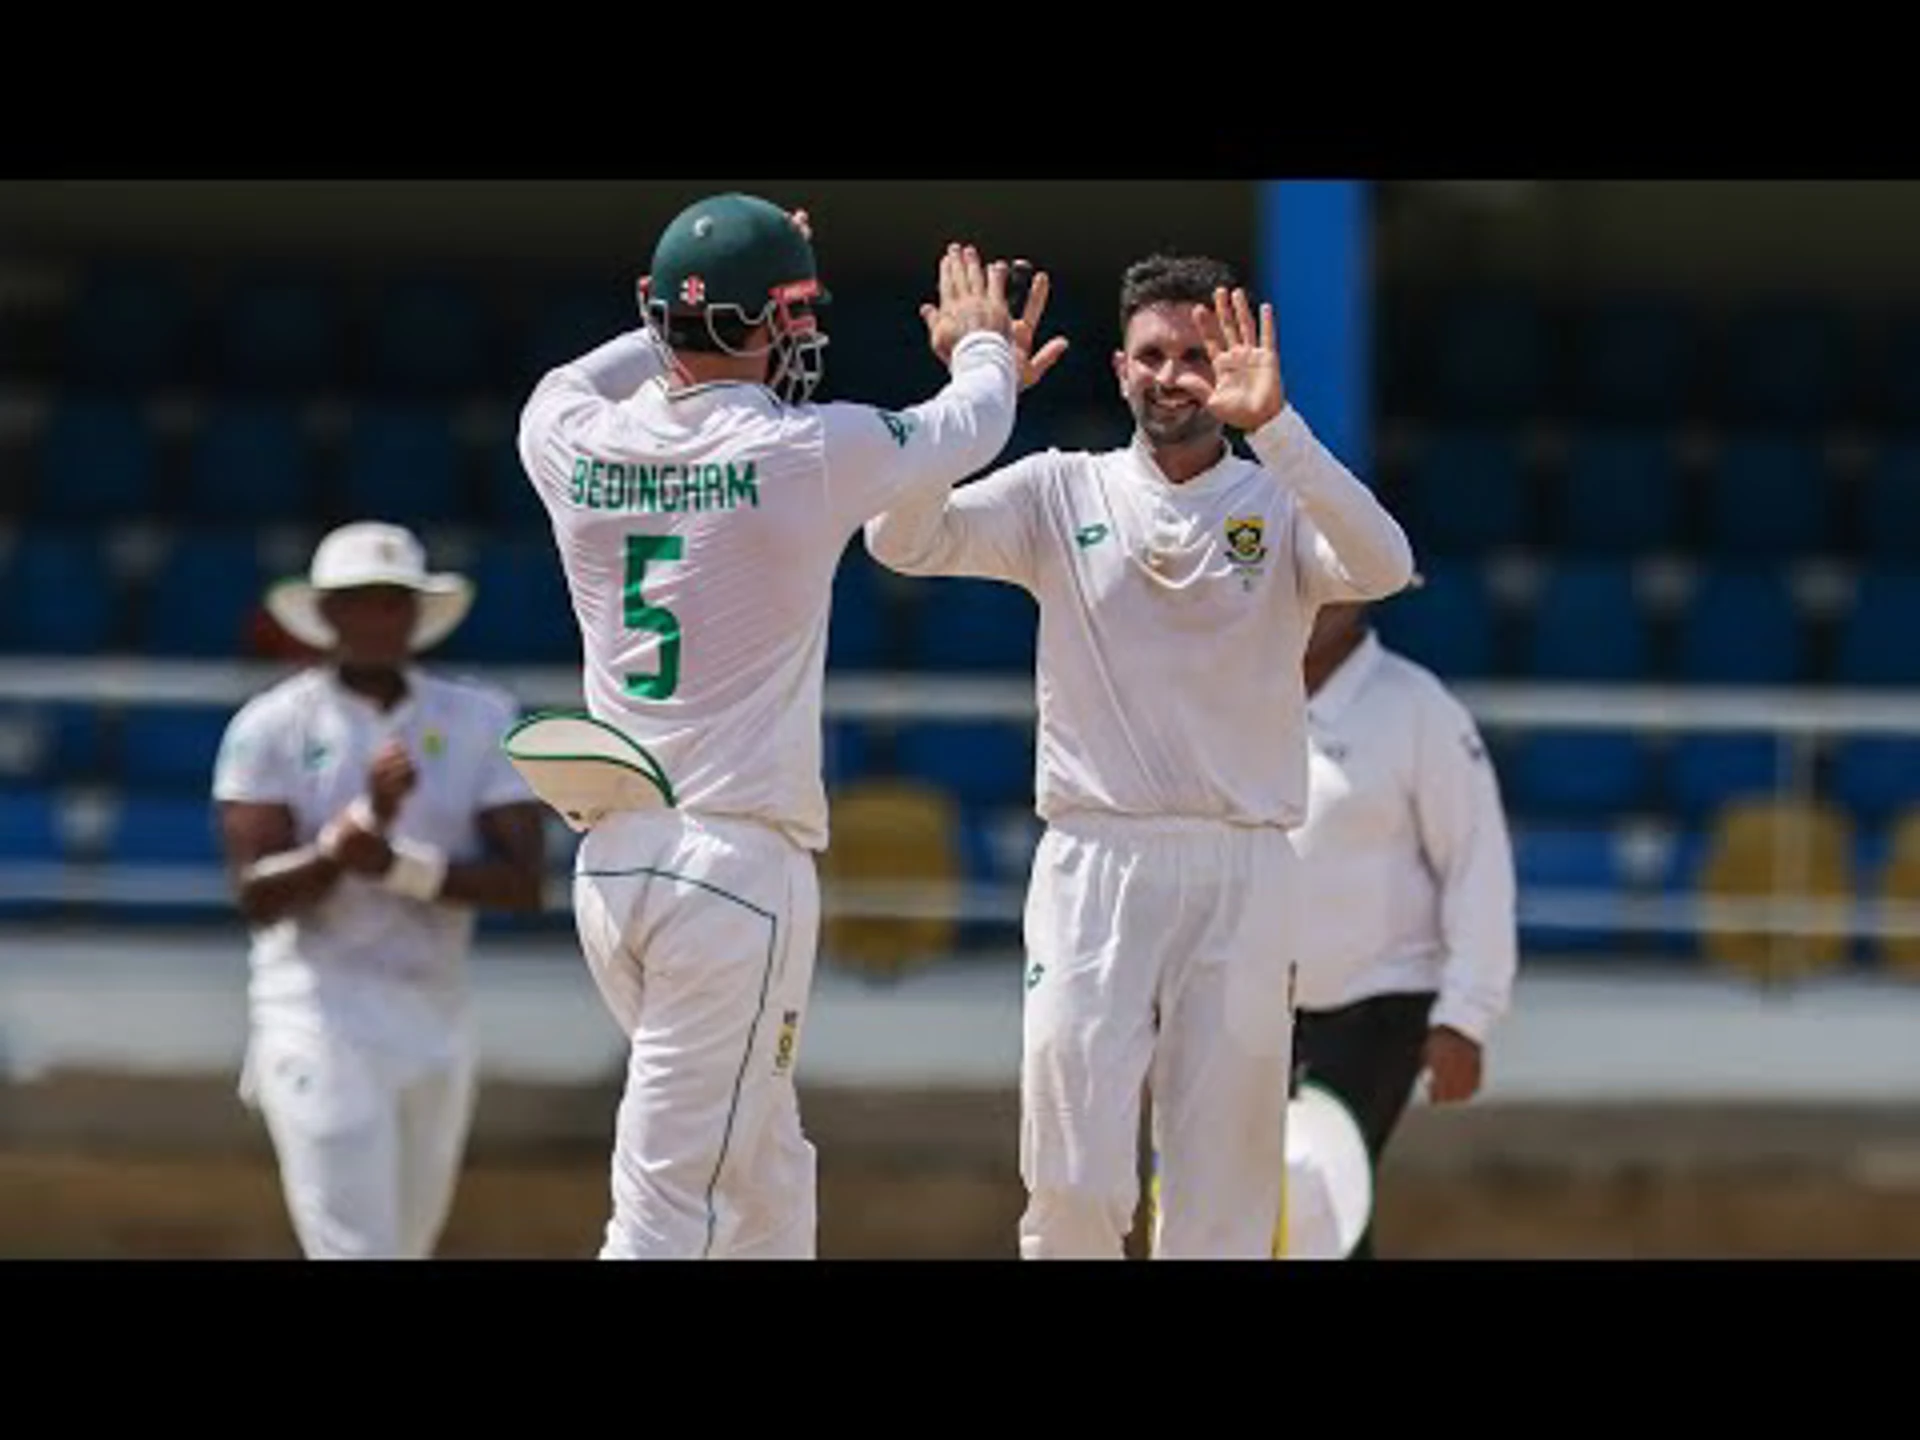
[
  {"x": 366, "y": 813},
  {"x": 1176, "y": 582},
  {"x": 701, "y": 502},
  {"x": 1409, "y": 949}
]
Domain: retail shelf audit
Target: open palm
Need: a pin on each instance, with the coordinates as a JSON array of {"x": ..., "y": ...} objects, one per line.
[{"x": 1247, "y": 388}]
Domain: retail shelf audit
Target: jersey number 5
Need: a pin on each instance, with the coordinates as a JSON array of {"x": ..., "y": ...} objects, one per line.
[{"x": 641, "y": 616}]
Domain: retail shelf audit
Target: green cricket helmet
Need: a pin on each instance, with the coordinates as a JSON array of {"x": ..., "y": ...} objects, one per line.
[{"x": 730, "y": 262}]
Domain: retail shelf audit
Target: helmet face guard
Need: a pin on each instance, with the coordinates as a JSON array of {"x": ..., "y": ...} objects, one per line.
[{"x": 797, "y": 346}]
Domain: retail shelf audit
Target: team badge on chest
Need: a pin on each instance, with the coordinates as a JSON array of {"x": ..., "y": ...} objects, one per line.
[{"x": 1246, "y": 546}]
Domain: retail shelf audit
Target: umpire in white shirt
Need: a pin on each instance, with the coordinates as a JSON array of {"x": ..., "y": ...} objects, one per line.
[{"x": 1410, "y": 946}]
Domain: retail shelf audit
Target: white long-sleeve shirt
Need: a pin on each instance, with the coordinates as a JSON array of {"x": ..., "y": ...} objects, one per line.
[
  {"x": 1172, "y": 617},
  {"x": 1405, "y": 849},
  {"x": 700, "y": 529}
]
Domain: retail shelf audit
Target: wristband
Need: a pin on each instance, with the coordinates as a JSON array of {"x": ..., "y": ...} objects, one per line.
[{"x": 418, "y": 871}]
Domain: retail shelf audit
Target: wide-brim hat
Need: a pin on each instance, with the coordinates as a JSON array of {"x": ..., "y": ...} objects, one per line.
[
  {"x": 370, "y": 553},
  {"x": 1329, "y": 1199}
]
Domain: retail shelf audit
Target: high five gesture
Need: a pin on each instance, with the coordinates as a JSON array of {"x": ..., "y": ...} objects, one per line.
[{"x": 1247, "y": 388}]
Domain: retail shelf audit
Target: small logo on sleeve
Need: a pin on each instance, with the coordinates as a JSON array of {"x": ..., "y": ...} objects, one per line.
[
  {"x": 1089, "y": 535},
  {"x": 901, "y": 427}
]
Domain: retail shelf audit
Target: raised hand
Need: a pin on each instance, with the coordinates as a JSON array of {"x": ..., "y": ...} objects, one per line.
[
  {"x": 389, "y": 779},
  {"x": 1035, "y": 364},
  {"x": 1247, "y": 388},
  {"x": 972, "y": 297}
]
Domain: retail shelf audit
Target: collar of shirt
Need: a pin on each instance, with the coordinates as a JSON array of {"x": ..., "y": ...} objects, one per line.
[
  {"x": 354, "y": 700},
  {"x": 1222, "y": 472},
  {"x": 1336, "y": 692}
]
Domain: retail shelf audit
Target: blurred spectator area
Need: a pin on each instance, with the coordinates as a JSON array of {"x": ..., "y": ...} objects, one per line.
[{"x": 1628, "y": 487}]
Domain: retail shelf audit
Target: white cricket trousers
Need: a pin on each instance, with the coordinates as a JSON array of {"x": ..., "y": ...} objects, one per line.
[
  {"x": 701, "y": 935},
  {"x": 369, "y": 1148},
  {"x": 1159, "y": 957}
]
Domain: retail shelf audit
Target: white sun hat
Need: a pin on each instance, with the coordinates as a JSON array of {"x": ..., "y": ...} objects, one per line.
[
  {"x": 369, "y": 552},
  {"x": 1329, "y": 1196}
]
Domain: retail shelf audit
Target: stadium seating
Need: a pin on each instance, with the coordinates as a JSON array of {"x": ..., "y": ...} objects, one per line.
[
  {"x": 1876, "y": 641},
  {"x": 1492, "y": 357},
  {"x": 890, "y": 833},
  {"x": 1467, "y": 493},
  {"x": 1450, "y": 623},
  {"x": 973, "y": 626},
  {"x": 97, "y": 458},
  {"x": 858, "y": 636},
  {"x": 131, "y": 328},
  {"x": 522, "y": 613},
  {"x": 1743, "y": 626},
  {"x": 170, "y": 749},
  {"x": 980, "y": 762},
  {"x": 1889, "y": 520},
  {"x": 1587, "y": 775},
  {"x": 430, "y": 338},
  {"x": 252, "y": 463},
  {"x": 1767, "y": 499},
  {"x": 1554, "y": 864},
  {"x": 1706, "y": 770},
  {"x": 202, "y": 599},
  {"x": 59, "y": 596},
  {"x": 1588, "y": 624},
  {"x": 1619, "y": 493},
  {"x": 1896, "y": 888},
  {"x": 280, "y": 334},
  {"x": 1766, "y": 849},
  {"x": 1785, "y": 362},
  {"x": 1635, "y": 361},
  {"x": 401, "y": 464}
]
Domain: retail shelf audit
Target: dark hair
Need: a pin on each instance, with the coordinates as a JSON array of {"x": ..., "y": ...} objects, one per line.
[{"x": 1182, "y": 279}]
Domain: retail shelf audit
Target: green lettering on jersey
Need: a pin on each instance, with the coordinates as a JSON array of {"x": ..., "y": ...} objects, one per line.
[
  {"x": 901, "y": 427},
  {"x": 663, "y": 489}
]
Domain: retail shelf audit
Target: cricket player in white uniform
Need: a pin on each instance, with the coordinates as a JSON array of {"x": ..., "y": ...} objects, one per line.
[
  {"x": 701, "y": 503},
  {"x": 366, "y": 813},
  {"x": 1409, "y": 953},
  {"x": 1176, "y": 581}
]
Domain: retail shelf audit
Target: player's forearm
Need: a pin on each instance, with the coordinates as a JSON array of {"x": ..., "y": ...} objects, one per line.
[
  {"x": 1372, "y": 547},
  {"x": 272, "y": 888},
  {"x": 495, "y": 885},
  {"x": 970, "y": 419}
]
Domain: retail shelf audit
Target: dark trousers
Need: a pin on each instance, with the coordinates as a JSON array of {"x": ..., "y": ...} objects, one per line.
[{"x": 1369, "y": 1054}]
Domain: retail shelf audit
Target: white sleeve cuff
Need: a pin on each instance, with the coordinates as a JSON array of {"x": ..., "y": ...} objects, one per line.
[{"x": 1472, "y": 1018}]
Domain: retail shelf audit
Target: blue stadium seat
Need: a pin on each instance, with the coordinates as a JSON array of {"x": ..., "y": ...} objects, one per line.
[
  {"x": 978, "y": 762},
  {"x": 251, "y": 464},
  {"x": 522, "y": 613},
  {"x": 402, "y": 464},
  {"x": 97, "y": 457},
  {"x": 58, "y": 596},
  {"x": 1899, "y": 373},
  {"x": 1876, "y": 641},
  {"x": 202, "y": 599},
  {"x": 1492, "y": 358},
  {"x": 1466, "y": 494},
  {"x": 1635, "y": 362},
  {"x": 513, "y": 506},
  {"x": 1580, "y": 774},
  {"x": 1707, "y": 769},
  {"x": 1876, "y": 776},
  {"x": 1587, "y": 624},
  {"x": 1889, "y": 520},
  {"x": 975, "y": 626},
  {"x": 846, "y": 751},
  {"x": 1742, "y": 627},
  {"x": 857, "y": 636},
  {"x": 170, "y": 748},
  {"x": 279, "y": 332},
  {"x": 1449, "y": 624},
  {"x": 1767, "y": 499},
  {"x": 131, "y": 327},
  {"x": 1786, "y": 363},
  {"x": 53, "y": 743},
  {"x": 568, "y": 320},
  {"x": 30, "y": 824},
  {"x": 1619, "y": 493},
  {"x": 431, "y": 338},
  {"x": 30, "y": 837},
  {"x": 1578, "y": 862},
  {"x": 156, "y": 829}
]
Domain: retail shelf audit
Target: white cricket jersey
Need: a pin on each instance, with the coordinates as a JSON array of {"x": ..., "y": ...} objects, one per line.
[
  {"x": 382, "y": 968},
  {"x": 1405, "y": 848},
  {"x": 700, "y": 530},
  {"x": 1172, "y": 617}
]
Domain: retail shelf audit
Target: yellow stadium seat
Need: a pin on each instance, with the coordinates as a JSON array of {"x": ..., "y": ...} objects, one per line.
[
  {"x": 1898, "y": 887},
  {"x": 1784, "y": 851},
  {"x": 892, "y": 844}
]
